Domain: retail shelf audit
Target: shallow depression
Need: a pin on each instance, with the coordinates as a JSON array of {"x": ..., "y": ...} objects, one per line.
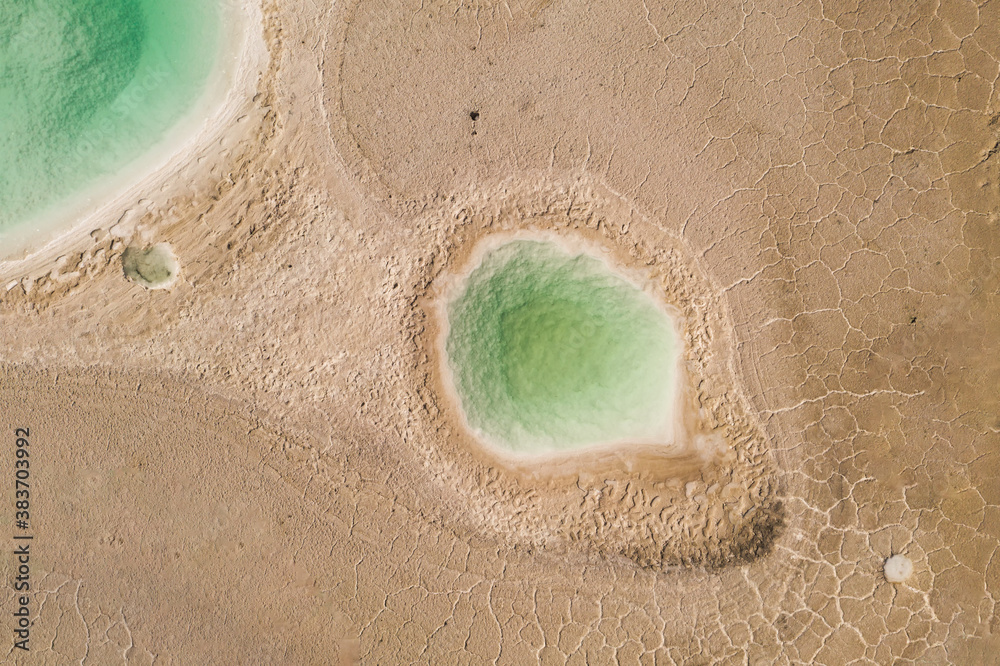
[{"x": 550, "y": 350}]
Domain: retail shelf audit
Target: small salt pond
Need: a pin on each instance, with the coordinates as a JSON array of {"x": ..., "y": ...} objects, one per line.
[
  {"x": 87, "y": 88},
  {"x": 551, "y": 350}
]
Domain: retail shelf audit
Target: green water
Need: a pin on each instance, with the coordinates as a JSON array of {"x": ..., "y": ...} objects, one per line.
[
  {"x": 87, "y": 86},
  {"x": 552, "y": 351}
]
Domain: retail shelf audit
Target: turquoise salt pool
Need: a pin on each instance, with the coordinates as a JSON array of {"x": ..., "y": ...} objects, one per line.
[
  {"x": 550, "y": 350},
  {"x": 87, "y": 87}
]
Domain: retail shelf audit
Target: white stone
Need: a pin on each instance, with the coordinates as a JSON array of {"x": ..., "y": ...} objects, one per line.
[{"x": 898, "y": 568}]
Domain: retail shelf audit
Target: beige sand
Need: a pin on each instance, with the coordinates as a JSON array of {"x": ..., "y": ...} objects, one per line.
[{"x": 258, "y": 465}]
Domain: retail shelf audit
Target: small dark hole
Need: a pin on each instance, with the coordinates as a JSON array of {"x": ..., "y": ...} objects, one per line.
[{"x": 474, "y": 115}]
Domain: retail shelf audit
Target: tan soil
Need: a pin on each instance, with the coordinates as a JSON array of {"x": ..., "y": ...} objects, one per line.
[{"x": 259, "y": 465}]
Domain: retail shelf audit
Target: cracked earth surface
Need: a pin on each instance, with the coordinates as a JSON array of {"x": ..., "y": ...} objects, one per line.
[{"x": 257, "y": 466}]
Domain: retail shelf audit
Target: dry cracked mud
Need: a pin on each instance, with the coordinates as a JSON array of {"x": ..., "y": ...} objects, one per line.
[{"x": 259, "y": 465}]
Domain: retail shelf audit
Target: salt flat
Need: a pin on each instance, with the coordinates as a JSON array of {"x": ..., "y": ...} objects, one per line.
[{"x": 812, "y": 188}]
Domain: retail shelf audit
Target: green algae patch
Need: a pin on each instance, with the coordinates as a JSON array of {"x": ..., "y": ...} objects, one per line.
[
  {"x": 86, "y": 87},
  {"x": 550, "y": 350}
]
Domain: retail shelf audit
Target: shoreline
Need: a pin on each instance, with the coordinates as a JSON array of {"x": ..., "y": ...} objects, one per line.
[{"x": 241, "y": 59}]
